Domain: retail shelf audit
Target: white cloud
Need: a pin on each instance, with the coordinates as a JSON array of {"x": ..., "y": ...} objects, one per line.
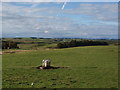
[
  {"x": 46, "y": 31},
  {"x": 29, "y": 21},
  {"x": 100, "y": 11}
]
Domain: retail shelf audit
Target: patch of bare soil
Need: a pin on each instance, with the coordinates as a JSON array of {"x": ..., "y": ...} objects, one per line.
[
  {"x": 1, "y": 53},
  {"x": 14, "y": 51}
]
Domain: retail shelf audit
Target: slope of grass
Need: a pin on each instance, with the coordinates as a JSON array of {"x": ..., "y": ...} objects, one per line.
[{"x": 89, "y": 67}]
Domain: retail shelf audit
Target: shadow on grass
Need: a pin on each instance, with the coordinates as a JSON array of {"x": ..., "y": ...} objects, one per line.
[{"x": 51, "y": 67}]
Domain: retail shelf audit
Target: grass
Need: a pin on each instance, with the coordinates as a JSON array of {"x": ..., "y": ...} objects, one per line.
[{"x": 89, "y": 67}]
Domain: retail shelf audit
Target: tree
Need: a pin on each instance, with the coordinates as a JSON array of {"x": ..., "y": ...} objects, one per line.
[
  {"x": 75, "y": 43},
  {"x": 9, "y": 45}
]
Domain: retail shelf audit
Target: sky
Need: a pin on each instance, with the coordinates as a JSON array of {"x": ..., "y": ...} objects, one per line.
[{"x": 60, "y": 20}]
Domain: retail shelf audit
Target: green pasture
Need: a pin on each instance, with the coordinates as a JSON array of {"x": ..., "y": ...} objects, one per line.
[{"x": 87, "y": 67}]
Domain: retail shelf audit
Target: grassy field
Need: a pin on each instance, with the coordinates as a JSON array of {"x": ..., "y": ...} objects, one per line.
[{"x": 88, "y": 67}]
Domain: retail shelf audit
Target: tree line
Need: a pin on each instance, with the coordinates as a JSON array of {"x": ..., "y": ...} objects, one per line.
[
  {"x": 9, "y": 45},
  {"x": 74, "y": 43}
]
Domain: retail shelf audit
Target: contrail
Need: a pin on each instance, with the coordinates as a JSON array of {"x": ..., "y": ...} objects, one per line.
[{"x": 64, "y": 5}]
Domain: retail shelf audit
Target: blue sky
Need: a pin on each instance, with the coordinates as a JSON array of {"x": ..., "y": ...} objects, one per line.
[{"x": 49, "y": 20}]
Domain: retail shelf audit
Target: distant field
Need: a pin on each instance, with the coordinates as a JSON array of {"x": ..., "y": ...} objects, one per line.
[
  {"x": 88, "y": 67},
  {"x": 47, "y": 43}
]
